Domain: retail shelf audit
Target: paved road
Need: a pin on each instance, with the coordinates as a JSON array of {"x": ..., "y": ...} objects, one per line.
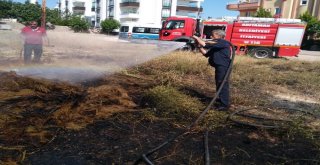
[{"x": 306, "y": 55}]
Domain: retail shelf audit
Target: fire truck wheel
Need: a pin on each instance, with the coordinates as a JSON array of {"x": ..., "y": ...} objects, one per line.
[{"x": 261, "y": 52}]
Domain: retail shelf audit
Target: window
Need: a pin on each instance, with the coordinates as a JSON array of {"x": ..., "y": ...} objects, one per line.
[
  {"x": 166, "y": 3},
  {"x": 277, "y": 10},
  {"x": 303, "y": 2},
  {"x": 138, "y": 30},
  {"x": 130, "y": 11},
  {"x": 154, "y": 30},
  {"x": 93, "y": 8},
  {"x": 165, "y": 13},
  {"x": 111, "y": 2},
  {"x": 145, "y": 30},
  {"x": 176, "y": 24},
  {"x": 124, "y": 29},
  {"x": 111, "y": 11}
]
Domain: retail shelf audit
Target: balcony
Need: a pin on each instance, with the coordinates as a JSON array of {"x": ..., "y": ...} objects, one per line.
[
  {"x": 129, "y": 15},
  {"x": 189, "y": 8},
  {"x": 244, "y": 5},
  {"x": 130, "y": 3},
  {"x": 77, "y": 8},
  {"x": 78, "y": 4}
]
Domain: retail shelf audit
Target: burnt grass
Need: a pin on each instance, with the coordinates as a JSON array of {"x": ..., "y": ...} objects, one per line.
[
  {"x": 108, "y": 142},
  {"x": 126, "y": 133}
]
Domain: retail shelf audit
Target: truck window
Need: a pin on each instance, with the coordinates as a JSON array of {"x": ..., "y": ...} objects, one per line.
[
  {"x": 124, "y": 29},
  {"x": 175, "y": 24}
]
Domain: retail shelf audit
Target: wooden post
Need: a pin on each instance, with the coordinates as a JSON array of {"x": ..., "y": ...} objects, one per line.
[{"x": 43, "y": 14}]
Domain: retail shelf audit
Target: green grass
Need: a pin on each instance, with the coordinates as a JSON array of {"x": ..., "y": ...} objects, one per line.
[{"x": 168, "y": 102}]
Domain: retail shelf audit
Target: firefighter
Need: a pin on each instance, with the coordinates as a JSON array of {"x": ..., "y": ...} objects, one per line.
[{"x": 219, "y": 54}]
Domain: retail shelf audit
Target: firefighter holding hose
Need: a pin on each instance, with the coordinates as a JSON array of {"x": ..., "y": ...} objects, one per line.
[{"x": 219, "y": 56}]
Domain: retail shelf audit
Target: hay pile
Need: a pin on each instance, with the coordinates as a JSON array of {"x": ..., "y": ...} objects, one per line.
[{"x": 32, "y": 110}]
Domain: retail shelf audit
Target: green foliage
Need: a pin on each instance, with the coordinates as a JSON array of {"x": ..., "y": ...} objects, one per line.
[
  {"x": 5, "y": 8},
  {"x": 53, "y": 16},
  {"x": 78, "y": 24},
  {"x": 313, "y": 25},
  {"x": 263, "y": 13},
  {"x": 171, "y": 103},
  {"x": 26, "y": 12},
  {"x": 109, "y": 24}
]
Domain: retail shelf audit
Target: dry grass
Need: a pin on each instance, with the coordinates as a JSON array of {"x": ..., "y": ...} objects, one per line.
[{"x": 254, "y": 82}]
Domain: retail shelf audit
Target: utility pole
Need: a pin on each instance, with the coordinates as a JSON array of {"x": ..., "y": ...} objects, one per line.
[{"x": 43, "y": 14}]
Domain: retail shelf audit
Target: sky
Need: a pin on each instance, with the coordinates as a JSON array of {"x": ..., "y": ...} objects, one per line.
[
  {"x": 217, "y": 8},
  {"x": 211, "y": 8}
]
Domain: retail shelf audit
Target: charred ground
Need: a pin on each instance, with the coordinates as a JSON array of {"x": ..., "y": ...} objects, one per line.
[{"x": 114, "y": 119}]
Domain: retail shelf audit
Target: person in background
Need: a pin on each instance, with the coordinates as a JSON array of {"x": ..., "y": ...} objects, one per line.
[
  {"x": 33, "y": 37},
  {"x": 219, "y": 53}
]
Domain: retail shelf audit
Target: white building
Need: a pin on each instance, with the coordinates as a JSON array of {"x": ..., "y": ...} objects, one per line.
[
  {"x": 33, "y": 1},
  {"x": 127, "y": 11}
]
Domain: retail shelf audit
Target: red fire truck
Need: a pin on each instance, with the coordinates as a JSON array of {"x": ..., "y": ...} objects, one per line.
[{"x": 261, "y": 37}]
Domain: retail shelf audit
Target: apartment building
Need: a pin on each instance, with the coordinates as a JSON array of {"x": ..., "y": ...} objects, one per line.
[
  {"x": 278, "y": 8},
  {"x": 32, "y": 1},
  {"x": 127, "y": 11}
]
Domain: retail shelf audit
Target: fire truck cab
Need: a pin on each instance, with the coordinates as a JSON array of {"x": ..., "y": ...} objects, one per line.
[
  {"x": 260, "y": 37},
  {"x": 179, "y": 29}
]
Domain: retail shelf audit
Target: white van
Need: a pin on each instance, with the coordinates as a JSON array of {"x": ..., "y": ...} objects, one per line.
[{"x": 139, "y": 31}]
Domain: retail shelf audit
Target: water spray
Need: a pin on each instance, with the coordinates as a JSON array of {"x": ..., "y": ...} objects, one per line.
[{"x": 78, "y": 57}]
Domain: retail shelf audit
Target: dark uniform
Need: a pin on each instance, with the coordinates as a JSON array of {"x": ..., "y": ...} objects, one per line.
[{"x": 219, "y": 58}]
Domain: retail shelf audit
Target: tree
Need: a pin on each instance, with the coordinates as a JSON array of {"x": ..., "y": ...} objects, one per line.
[
  {"x": 5, "y": 7},
  {"x": 26, "y": 12},
  {"x": 263, "y": 13},
  {"x": 109, "y": 25},
  {"x": 78, "y": 24},
  {"x": 53, "y": 16},
  {"x": 313, "y": 25}
]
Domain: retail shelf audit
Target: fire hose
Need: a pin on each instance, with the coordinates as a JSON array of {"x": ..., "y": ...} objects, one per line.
[
  {"x": 144, "y": 157},
  {"x": 232, "y": 118}
]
